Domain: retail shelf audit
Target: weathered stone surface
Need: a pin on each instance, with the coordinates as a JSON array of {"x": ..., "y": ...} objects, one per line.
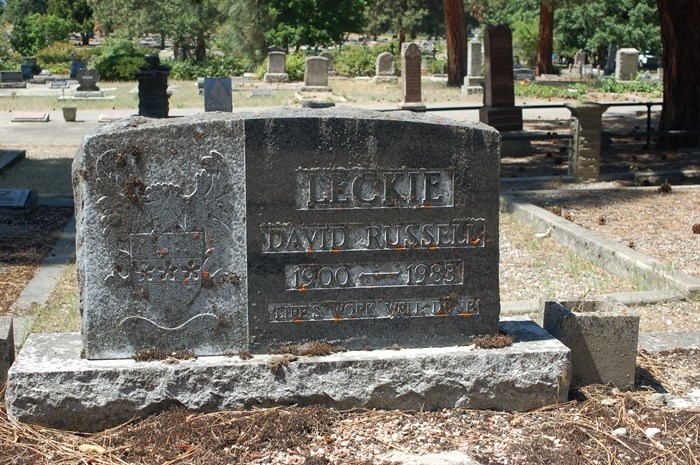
[
  {"x": 411, "y": 78},
  {"x": 161, "y": 247},
  {"x": 7, "y": 347},
  {"x": 627, "y": 64},
  {"x": 276, "y": 67},
  {"x": 50, "y": 384},
  {"x": 370, "y": 229},
  {"x": 602, "y": 336},
  {"x": 474, "y": 58},
  {"x": 587, "y": 129},
  {"x": 316, "y": 75},
  {"x": 385, "y": 69}
]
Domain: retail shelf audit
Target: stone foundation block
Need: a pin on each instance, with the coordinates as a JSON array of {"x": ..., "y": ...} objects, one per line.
[
  {"x": 50, "y": 384},
  {"x": 7, "y": 347},
  {"x": 602, "y": 336}
]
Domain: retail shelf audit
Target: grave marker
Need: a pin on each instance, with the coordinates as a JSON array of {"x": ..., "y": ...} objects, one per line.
[
  {"x": 316, "y": 75},
  {"x": 474, "y": 81},
  {"x": 87, "y": 80},
  {"x": 218, "y": 94},
  {"x": 276, "y": 67},
  {"x": 411, "y": 78},
  {"x": 153, "y": 88},
  {"x": 17, "y": 202},
  {"x": 385, "y": 69},
  {"x": 627, "y": 64}
]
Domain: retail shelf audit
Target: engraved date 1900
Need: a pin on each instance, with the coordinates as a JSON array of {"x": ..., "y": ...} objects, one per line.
[{"x": 395, "y": 274}]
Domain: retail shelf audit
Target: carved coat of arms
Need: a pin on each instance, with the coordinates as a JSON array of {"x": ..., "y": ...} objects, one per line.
[{"x": 167, "y": 241}]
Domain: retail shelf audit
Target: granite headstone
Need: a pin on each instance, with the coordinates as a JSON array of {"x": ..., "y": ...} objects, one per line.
[
  {"x": 87, "y": 80},
  {"x": 316, "y": 74},
  {"x": 499, "y": 108},
  {"x": 411, "y": 78},
  {"x": 153, "y": 88},
  {"x": 385, "y": 69},
  {"x": 276, "y": 67},
  {"x": 218, "y": 94},
  {"x": 161, "y": 249},
  {"x": 627, "y": 60},
  {"x": 390, "y": 237}
]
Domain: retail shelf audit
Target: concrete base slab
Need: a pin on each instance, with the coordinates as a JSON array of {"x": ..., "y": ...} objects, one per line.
[
  {"x": 50, "y": 384},
  {"x": 472, "y": 90},
  {"x": 274, "y": 78},
  {"x": 657, "y": 342},
  {"x": 315, "y": 89},
  {"x": 30, "y": 117},
  {"x": 385, "y": 80},
  {"x": 10, "y": 157}
]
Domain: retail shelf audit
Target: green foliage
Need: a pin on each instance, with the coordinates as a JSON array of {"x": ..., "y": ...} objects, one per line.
[
  {"x": 57, "y": 56},
  {"x": 358, "y": 61},
  {"x": 120, "y": 60},
  {"x": 295, "y": 23},
  {"x": 36, "y": 31},
  {"x": 397, "y": 16},
  {"x": 437, "y": 66},
  {"x": 525, "y": 37},
  {"x": 17, "y": 10},
  {"x": 78, "y": 12},
  {"x": 612, "y": 85},
  {"x": 214, "y": 66},
  {"x": 594, "y": 24},
  {"x": 295, "y": 66},
  {"x": 531, "y": 89}
]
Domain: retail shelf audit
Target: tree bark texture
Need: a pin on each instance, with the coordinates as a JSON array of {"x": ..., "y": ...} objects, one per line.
[
  {"x": 456, "y": 30},
  {"x": 545, "y": 41},
  {"x": 680, "y": 33}
]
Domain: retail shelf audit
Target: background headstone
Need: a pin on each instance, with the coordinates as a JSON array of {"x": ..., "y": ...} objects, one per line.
[
  {"x": 329, "y": 57},
  {"x": 276, "y": 67},
  {"x": 153, "y": 88},
  {"x": 627, "y": 64},
  {"x": 371, "y": 229},
  {"x": 610, "y": 62},
  {"x": 579, "y": 62},
  {"x": 10, "y": 76},
  {"x": 411, "y": 78},
  {"x": 17, "y": 202},
  {"x": 218, "y": 94},
  {"x": 316, "y": 74},
  {"x": 499, "y": 108},
  {"x": 87, "y": 80},
  {"x": 161, "y": 250},
  {"x": 385, "y": 69}
]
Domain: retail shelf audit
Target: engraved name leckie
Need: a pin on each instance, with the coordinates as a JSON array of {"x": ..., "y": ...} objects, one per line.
[
  {"x": 373, "y": 189},
  {"x": 314, "y": 277},
  {"x": 449, "y": 306},
  {"x": 294, "y": 238}
]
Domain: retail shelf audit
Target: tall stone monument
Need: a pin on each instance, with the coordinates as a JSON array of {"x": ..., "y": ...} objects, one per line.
[
  {"x": 316, "y": 75},
  {"x": 276, "y": 68},
  {"x": 385, "y": 69},
  {"x": 627, "y": 64},
  {"x": 474, "y": 81},
  {"x": 224, "y": 234},
  {"x": 411, "y": 78},
  {"x": 153, "y": 88},
  {"x": 499, "y": 108}
]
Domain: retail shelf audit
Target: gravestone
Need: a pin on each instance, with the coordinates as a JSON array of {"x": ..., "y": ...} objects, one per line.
[
  {"x": 499, "y": 108},
  {"x": 276, "y": 68},
  {"x": 58, "y": 84},
  {"x": 218, "y": 94},
  {"x": 87, "y": 80},
  {"x": 579, "y": 62},
  {"x": 153, "y": 88},
  {"x": 411, "y": 78},
  {"x": 219, "y": 232},
  {"x": 385, "y": 69},
  {"x": 8, "y": 157},
  {"x": 627, "y": 64},
  {"x": 75, "y": 67},
  {"x": 474, "y": 81},
  {"x": 27, "y": 68},
  {"x": 166, "y": 266},
  {"x": 329, "y": 57},
  {"x": 316, "y": 75},
  {"x": 10, "y": 76},
  {"x": 17, "y": 202}
]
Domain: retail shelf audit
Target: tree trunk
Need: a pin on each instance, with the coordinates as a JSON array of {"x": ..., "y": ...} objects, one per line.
[
  {"x": 456, "y": 31},
  {"x": 545, "y": 42},
  {"x": 681, "y": 66},
  {"x": 200, "y": 52}
]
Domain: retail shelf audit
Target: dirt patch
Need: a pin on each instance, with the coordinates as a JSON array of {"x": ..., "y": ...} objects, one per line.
[{"x": 24, "y": 244}]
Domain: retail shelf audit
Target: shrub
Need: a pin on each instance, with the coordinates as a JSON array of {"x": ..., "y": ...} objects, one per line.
[
  {"x": 212, "y": 67},
  {"x": 531, "y": 89},
  {"x": 437, "y": 66},
  {"x": 352, "y": 61},
  {"x": 295, "y": 66},
  {"x": 36, "y": 31},
  {"x": 120, "y": 60},
  {"x": 638, "y": 85}
]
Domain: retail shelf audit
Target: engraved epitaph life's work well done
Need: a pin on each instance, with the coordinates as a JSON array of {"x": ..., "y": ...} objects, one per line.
[{"x": 225, "y": 232}]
